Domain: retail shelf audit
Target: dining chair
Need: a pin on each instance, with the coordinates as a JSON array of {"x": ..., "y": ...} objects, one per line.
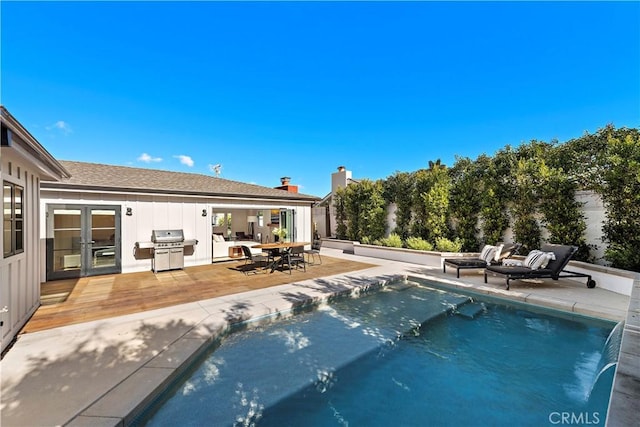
[
  {"x": 315, "y": 250},
  {"x": 294, "y": 257},
  {"x": 253, "y": 261}
]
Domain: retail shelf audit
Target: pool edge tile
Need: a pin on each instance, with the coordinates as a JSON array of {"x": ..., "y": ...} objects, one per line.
[
  {"x": 86, "y": 421},
  {"x": 132, "y": 395}
]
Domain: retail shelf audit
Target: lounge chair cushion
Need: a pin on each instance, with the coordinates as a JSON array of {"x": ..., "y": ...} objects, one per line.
[
  {"x": 563, "y": 254},
  {"x": 520, "y": 271}
]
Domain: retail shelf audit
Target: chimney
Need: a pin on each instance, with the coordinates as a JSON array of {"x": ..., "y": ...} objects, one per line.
[
  {"x": 284, "y": 181},
  {"x": 340, "y": 179}
]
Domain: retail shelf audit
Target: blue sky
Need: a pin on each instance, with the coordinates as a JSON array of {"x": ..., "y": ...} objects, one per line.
[{"x": 272, "y": 89}]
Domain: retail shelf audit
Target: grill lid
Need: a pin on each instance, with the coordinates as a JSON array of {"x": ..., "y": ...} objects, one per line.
[{"x": 167, "y": 236}]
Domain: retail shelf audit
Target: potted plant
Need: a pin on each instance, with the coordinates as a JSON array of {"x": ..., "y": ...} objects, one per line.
[{"x": 279, "y": 234}]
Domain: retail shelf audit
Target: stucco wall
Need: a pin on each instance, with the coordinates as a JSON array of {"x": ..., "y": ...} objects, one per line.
[{"x": 595, "y": 214}]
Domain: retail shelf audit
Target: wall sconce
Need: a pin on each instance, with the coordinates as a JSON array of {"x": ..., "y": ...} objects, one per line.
[
  {"x": 129, "y": 212},
  {"x": 204, "y": 212}
]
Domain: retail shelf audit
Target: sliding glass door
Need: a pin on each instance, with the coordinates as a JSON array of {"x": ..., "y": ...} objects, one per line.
[{"x": 82, "y": 240}]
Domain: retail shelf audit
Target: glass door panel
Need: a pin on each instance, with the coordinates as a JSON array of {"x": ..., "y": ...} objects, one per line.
[
  {"x": 82, "y": 241},
  {"x": 287, "y": 222},
  {"x": 103, "y": 238},
  {"x": 67, "y": 238}
]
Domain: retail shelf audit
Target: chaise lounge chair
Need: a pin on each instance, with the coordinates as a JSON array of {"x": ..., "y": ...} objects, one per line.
[
  {"x": 553, "y": 269},
  {"x": 485, "y": 258}
]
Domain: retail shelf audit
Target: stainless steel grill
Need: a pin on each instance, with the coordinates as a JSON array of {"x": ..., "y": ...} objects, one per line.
[{"x": 167, "y": 247}]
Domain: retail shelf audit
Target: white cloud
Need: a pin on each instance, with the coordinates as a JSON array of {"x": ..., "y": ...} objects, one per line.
[
  {"x": 61, "y": 126},
  {"x": 185, "y": 160},
  {"x": 144, "y": 157}
]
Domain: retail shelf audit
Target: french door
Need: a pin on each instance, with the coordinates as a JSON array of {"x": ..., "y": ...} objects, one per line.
[
  {"x": 287, "y": 221},
  {"x": 82, "y": 240}
]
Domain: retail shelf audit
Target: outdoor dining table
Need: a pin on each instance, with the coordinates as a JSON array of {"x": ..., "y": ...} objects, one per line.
[{"x": 278, "y": 248}]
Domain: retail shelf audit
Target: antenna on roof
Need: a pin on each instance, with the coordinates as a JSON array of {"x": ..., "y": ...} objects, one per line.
[{"x": 216, "y": 169}]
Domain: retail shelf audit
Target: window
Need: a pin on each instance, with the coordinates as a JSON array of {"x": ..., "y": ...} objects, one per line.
[
  {"x": 13, "y": 219},
  {"x": 221, "y": 223}
]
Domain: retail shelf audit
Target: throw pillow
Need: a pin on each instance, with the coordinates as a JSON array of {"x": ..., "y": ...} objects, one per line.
[
  {"x": 537, "y": 259},
  {"x": 496, "y": 257},
  {"x": 488, "y": 253},
  {"x": 512, "y": 263},
  {"x": 549, "y": 256}
]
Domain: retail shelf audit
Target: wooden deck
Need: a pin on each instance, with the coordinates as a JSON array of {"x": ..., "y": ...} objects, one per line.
[{"x": 85, "y": 299}]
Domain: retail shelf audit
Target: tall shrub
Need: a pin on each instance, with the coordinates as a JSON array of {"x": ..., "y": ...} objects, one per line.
[
  {"x": 464, "y": 201},
  {"x": 421, "y": 184},
  {"x": 436, "y": 203},
  {"x": 341, "y": 213},
  {"x": 365, "y": 210},
  {"x": 495, "y": 188},
  {"x": 620, "y": 188},
  {"x": 562, "y": 214},
  {"x": 580, "y": 157},
  {"x": 524, "y": 204},
  {"x": 398, "y": 189}
]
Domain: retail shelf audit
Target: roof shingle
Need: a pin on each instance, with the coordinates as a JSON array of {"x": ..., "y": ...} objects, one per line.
[{"x": 125, "y": 178}]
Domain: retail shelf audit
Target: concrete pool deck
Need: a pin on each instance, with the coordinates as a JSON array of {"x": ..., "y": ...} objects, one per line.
[{"x": 102, "y": 373}]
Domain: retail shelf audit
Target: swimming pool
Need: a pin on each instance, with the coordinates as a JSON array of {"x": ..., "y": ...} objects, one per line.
[{"x": 407, "y": 355}]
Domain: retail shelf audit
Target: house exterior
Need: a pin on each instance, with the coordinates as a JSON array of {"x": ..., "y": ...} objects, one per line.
[
  {"x": 93, "y": 219},
  {"x": 66, "y": 219},
  {"x": 24, "y": 166}
]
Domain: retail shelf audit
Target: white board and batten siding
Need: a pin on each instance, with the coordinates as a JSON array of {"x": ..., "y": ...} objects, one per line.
[
  {"x": 159, "y": 212},
  {"x": 19, "y": 275},
  {"x": 24, "y": 163}
]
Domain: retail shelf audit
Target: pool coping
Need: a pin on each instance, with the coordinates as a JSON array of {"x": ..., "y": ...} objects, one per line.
[{"x": 206, "y": 320}]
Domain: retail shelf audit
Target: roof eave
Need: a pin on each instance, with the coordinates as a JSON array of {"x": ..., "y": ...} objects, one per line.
[
  {"x": 27, "y": 146},
  {"x": 131, "y": 190}
]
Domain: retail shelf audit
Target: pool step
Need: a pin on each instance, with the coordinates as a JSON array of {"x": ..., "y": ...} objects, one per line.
[{"x": 470, "y": 310}]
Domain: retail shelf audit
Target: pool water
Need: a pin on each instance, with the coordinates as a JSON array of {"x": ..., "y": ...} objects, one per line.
[{"x": 407, "y": 355}]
